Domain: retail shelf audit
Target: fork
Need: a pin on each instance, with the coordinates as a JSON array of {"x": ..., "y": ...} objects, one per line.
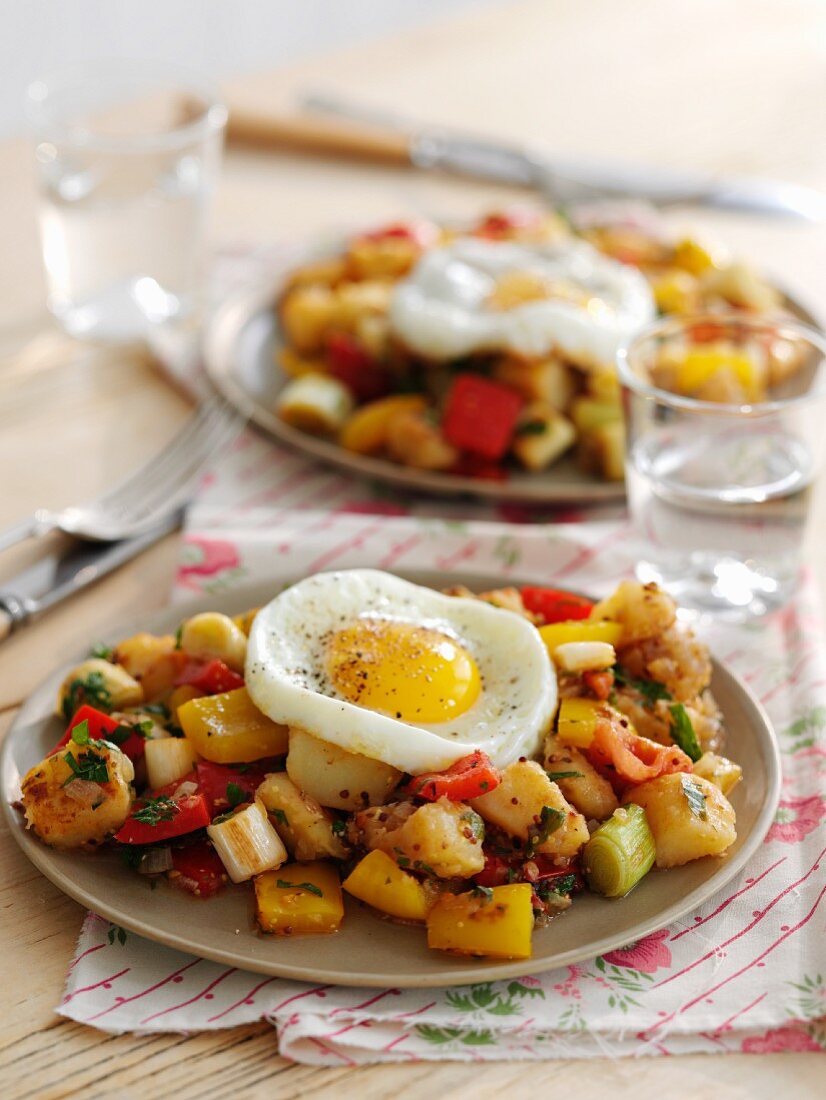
[{"x": 149, "y": 494}]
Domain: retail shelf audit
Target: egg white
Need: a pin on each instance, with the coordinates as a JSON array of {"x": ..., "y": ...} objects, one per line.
[
  {"x": 439, "y": 310},
  {"x": 287, "y": 679}
]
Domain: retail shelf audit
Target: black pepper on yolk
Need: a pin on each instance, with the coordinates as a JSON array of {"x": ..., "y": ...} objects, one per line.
[{"x": 411, "y": 672}]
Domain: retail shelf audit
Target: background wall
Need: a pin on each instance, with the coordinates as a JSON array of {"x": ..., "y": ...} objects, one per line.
[{"x": 219, "y": 37}]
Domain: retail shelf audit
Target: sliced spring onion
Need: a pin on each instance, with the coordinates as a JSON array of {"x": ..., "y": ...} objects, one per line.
[
  {"x": 247, "y": 843},
  {"x": 168, "y": 759},
  {"x": 155, "y": 861},
  {"x": 619, "y": 853}
]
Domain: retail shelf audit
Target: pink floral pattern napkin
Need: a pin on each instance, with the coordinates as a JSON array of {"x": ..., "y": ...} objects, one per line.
[{"x": 746, "y": 972}]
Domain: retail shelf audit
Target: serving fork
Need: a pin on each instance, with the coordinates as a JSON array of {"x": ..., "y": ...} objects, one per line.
[{"x": 147, "y": 496}]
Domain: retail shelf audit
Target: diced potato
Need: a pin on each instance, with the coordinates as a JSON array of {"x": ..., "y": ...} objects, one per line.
[
  {"x": 168, "y": 759},
  {"x": 379, "y": 881},
  {"x": 247, "y": 843},
  {"x": 443, "y": 838},
  {"x": 158, "y": 682},
  {"x": 643, "y": 610},
  {"x": 212, "y": 635},
  {"x": 723, "y": 773},
  {"x": 365, "y": 432},
  {"x": 302, "y": 823},
  {"x": 577, "y": 721},
  {"x": 335, "y": 777},
  {"x": 354, "y": 301},
  {"x": 584, "y": 656},
  {"x": 742, "y": 286},
  {"x": 413, "y": 441},
  {"x": 300, "y": 897},
  {"x": 584, "y": 788},
  {"x": 542, "y": 436},
  {"x": 602, "y": 451},
  {"x": 306, "y": 315},
  {"x": 588, "y": 413},
  {"x": 295, "y": 365},
  {"x": 583, "y": 630},
  {"x": 372, "y": 332},
  {"x": 689, "y": 817},
  {"x": 138, "y": 653},
  {"x": 499, "y": 926},
  {"x": 385, "y": 257},
  {"x": 546, "y": 380},
  {"x": 517, "y": 805},
  {"x": 316, "y": 403},
  {"x": 229, "y": 728},
  {"x": 245, "y": 620},
  {"x": 99, "y": 683},
  {"x": 603, "y": 385},
  {"x": 68, "y": 812}
]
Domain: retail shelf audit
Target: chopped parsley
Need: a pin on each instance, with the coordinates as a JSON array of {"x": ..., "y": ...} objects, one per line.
[
  {"x": 650, "y": 690},
  {"x": 560, "y": 887},
  {"x": 532, "y": 427},
  {"x": 279, "y": 815},
  {"x": 161, "y": 709},
  {"x": 178, "y": 636},
  {"x": 338, "y": 827},
  {"x": 92, "y": 690},
  {"x": 553, "y": 776},
  {"x": 475, "y": 823},
  {"x": 682, "y": 732},
  {"x": 235, "y": 794},
  {"x": 425, "y": 868},
  {"x": 155, "y": 810},
  {"x": 550, "y": 819},
  {"x": 402, "y": 860},
  {"x": 483, "y": 892},
  {"x": 102, "y": 650},
  {"x": 694, "y": 797},
  {"x": 91, "y": 767},
  {"x": 119, "y": 734},
  {"x": 310, "y": 887},
  {"x": 80, "y": 734}
]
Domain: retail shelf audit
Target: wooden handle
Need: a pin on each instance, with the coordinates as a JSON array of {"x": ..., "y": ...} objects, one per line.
[{"x": 304, "y": 134}]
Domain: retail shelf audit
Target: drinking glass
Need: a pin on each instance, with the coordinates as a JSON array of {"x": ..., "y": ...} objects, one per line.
[
  {"x": 720, "y": 492},
  {"x": 127, "y": 157}
]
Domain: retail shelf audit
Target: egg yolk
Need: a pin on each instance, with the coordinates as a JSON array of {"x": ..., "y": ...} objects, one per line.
[{"x": 411, "y": 672}]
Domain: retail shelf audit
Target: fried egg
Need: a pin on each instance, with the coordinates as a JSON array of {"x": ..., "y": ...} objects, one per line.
[
  {"x": 401, "y": 673},
  {"x": 448, "y": 306}
]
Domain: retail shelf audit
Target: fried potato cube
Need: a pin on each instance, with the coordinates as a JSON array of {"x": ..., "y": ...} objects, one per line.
[
  {"x": 229, "y": 729},
  {"x": 307, "y": 314},
  {"x": 335, "y": 777},
  {"x": 521, "y": 803},
  {"x": 299, "y": 897},
  {"x": 100, "y": 684},
  {"x": 602, "y": 451},
  {"x": 542, "y": 436},
  {"x": 365, "y": 432},
  {"x": 79, "y": 796},
  {"x": 212, "y": 635},
  {"x": 499, "y": 926},
  {"x": 413, "y": 441},
  {"x": 443, "y": 838},
  {"x": 138, "y": 653},
  {"x": 379, "y": 881},
  {"x": 578, "y": 779},
  {"x": 723, "y": 773},
  {"x": 689, "y": 817},
  {"x": 302, "y": 823},
  {"x": 546, "y": 380}
]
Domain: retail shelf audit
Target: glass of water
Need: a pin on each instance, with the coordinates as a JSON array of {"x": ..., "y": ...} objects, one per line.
[
  {"x": 127, "y": 158},
  {"x": 726, "y": 432}
]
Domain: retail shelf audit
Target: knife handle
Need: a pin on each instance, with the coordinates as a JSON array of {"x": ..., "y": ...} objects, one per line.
[{"x": 304, "y": 134}]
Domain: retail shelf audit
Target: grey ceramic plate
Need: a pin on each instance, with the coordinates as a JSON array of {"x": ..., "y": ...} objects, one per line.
[
  {"x": 239, "y": 352},
  {"x": 369, "y": 951}
]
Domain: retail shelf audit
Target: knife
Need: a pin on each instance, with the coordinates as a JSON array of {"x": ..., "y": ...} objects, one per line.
[
  {"x": 57, "y": 576},
  {"x": 566, "y": 181}
]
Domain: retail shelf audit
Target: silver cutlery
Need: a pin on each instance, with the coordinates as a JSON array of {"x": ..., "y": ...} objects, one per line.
[
  {"x": 60, "y": 575},
  {"x": 153, "y": 492},
  {"x": 564, "y": 181}
]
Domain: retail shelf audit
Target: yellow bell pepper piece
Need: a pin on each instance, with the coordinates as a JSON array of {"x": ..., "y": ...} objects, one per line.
[
  {"x": 229, "y": 728},
  {"x": 588, "y": 413},
  {"x": 365, "y": 432},
  {"x": 700, "y": 364},
  {"x": 694, "y": 257},
  {"x": 299, "y": 897},
  {"x": 499, "y": 925},
  {"x": 379, "y": 881},
  {"x": 580, "y": 630},
  {"x": 677, "y": 292},
  {"x": 577, "y": 720},
  {"x": 244, "y": 621},
  {"x": 182, "y": 694}
]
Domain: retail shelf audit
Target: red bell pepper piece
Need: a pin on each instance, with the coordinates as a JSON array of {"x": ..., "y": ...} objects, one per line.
[
  {"x": 200, "y": 870},
  {"x": 211, "y": 677},
  {"x": 421, "y": 233},
  {"x": 103, "y": 727},
  {"x": 351, "y": 364},
  {"x": 162, "y": 816},
  {"x": 501, "y": 222},
  {"x": 480, "y": 415},
  {"x": 555, "y": 605},
  {"x": 482, "y": 468},
  {"x": 214, "y": 780},
  {"x": 469, "y": 777}
]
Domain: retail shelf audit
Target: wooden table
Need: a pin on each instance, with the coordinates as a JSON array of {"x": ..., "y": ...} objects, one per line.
[{"x": 733, "y": 85}]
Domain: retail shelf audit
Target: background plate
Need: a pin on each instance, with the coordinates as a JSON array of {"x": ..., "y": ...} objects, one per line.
[
  {"x": 239, "y": 352},
  {"x": 369, "y": 951}
]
